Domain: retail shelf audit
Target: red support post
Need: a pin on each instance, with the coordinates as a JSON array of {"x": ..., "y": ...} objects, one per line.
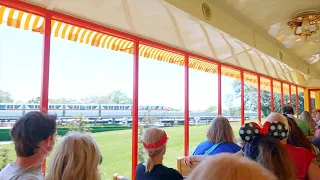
[
  {"x": 297, "y": 102},
  {"x": 282, "y": 97},
  {"x": 271, "y": 96},
  {"x": 219, "y": 91},
  {"x": 259, "y": 98},
  {"x": 135, "y": 113},
  {"x": 242, "y": 97},
  {"x": 44, "y": 97},
  {"x": 186, "y": 105},
  {"x": 290, "y": 95}
]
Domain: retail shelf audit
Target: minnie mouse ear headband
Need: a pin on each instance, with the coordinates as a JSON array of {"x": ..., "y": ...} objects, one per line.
[
  {"x": 249, "y": 131},
  {"x": 159, "y": 143}
]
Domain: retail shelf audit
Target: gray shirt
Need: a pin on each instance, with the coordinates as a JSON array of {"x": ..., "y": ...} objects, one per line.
[{"x": 14, "y": 172}]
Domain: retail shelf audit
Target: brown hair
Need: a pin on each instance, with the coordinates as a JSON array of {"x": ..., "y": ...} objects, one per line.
[
  {"x": 274, "y": 157},
  {"x": 220, "y": 131},
  {"x": 306, "y": 116},
  {"x": 229, "y": 166},
  {"x": 151, "y": 136},
  {"x": 29, "y": 130},
  {"x": 297, "y": 137}
]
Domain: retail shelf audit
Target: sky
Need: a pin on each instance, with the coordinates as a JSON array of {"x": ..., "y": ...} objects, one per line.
[{"x": 79, "y": 70}]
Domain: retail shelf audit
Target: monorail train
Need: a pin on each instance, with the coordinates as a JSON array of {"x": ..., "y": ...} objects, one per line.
[
  {"x": 12, "y": 111},
  {"x": 106, "y": 113}
]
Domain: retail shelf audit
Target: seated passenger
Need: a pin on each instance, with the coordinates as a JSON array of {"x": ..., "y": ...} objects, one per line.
[
  {"x": 229, "y": 167},
  {"x": 307, "y": 117},
  {"x": 76, "y": 157},
  {"x": 301, "y": 157},
  {"x": 154, "y": 143},
  {"x": 297, "y": 138},
  {"x": 263, "y": 146},
  {"x": 34, "y": 136},
  {"x": 220, "y": 138},
  {"x": 288, "y": 111}
]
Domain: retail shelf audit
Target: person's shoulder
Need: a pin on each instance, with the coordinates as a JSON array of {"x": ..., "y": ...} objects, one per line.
[
  {"x": 173, "y": 173},
  {"x": 140, "y": 166}
]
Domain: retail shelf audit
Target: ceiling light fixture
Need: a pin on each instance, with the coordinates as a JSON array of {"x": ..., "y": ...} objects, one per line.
[{"x": 305, "y": 23}]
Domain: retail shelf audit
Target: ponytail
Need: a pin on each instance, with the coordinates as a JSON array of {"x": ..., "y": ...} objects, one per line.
[{"x": 149, "y": 165}]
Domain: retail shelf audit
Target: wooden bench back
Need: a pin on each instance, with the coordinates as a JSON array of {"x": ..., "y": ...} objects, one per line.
[
  {"x": 118, "y": 177},
  {"x": 183, "y": 169}
]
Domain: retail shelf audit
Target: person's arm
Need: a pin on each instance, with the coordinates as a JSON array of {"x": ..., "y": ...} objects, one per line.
[
  {"x": 198, "y": 158},
  {"x": 313, "y": 172}
]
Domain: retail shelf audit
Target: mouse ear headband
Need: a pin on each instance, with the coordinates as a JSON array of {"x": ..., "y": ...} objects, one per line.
[{"x": 249, "y": 131}]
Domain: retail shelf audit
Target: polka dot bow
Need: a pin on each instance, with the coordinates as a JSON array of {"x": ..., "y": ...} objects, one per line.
[{"x": 249, "y": 131}]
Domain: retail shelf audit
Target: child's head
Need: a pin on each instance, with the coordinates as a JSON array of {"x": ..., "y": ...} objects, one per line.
[
  {"x": 230, "y": 167},
  {"x": 76, "y": 157}
]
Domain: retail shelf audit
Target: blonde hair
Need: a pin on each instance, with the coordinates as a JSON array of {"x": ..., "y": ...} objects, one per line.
[
  {"x": 220, "y": 131},
  {"x": 277, "y": 117},
  {"x": 151, "y": 136},
  {"x": 230, "y": 167},
  {"x": 307, "y": 117},
  {"x": 76, "y": 157}
]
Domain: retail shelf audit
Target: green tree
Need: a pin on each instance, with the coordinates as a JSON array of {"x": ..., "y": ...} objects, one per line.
[
  {"x": 145, "y": 123},
  {"x": 34, "y": 100},
  {"x": 211, "y": 109},
  {"x": 251, "y": 96},
  {"x": 118, "y": 97},
  {"x": 63, "y": 101},
  {"x": 79, "y": 124},
  {"x": 5, "y": 97},
  {"x": 5, "y": 159}
]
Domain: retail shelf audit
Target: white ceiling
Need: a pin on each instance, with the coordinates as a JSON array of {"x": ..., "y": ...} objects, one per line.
[{"x": 272, "y": 16}]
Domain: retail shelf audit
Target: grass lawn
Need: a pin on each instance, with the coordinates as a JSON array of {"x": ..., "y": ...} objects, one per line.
[{"x": 116, "y": 148}]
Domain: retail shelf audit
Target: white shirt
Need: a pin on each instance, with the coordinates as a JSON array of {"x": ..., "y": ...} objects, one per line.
[{"x": 14, "y": 172}]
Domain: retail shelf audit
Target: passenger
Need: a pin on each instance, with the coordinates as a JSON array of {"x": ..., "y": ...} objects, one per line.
[
  {"x": 307, "y": 117},
  {"x": 301, "y": 157},
  {"x": 297, "y": 138},
  {"x": 76, "y": 157},
  {"x": 34, "y": 136},
  {"x": 317, "y": 117},
  {"x": 220, "y": 138},
  {"x": 230, "y": 167},
  {"x": 154, "y": 143},
  {"x": 263, "y": 146},
  {"x": 288, "y": 111}
]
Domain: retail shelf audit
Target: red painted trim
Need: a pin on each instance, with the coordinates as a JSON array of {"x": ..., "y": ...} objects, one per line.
[
  {"x": 44, "y": 97},
  {"x": 109, "y": 31},
  {"x": 290, "y": 96},
  {"x": 271, "y": 96},
  {"x": 219, "y": 91},
  {"x": 297, "y": 101},
  {"x": 242, "y": 97},
  {"x": 310, "y": 103},
  {"x": 259, "y": 99},
  {"x": 282, "y": 97},
  {"x": 135, "y": 113},
  {"x": 186, "y": 105}
]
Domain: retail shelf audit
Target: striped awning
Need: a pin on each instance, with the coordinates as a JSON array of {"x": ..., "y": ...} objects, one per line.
[{"x": 240, "y": 54}]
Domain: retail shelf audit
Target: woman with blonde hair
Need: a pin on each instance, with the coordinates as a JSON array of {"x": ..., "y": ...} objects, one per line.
[
  {"x": 76, "y": 157},
  {"x": 230, "y": 167},
  {"x": 220, "y": 138},
  {"x": 307, "y": 117},
  {"x": 154, "y": 143}
]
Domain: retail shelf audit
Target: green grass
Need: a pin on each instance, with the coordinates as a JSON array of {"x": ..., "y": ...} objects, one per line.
[{"x": 115, "y": 147}]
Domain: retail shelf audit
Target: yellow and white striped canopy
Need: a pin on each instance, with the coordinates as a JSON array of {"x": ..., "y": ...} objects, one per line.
[{"x": 222, "y": 47}]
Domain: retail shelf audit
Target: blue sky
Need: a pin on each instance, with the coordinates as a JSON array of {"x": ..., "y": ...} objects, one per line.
[{"x": 78, "y": 70}]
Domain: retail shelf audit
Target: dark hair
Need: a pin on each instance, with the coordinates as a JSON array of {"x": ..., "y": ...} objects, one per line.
[
  {"x": 296, "y": 137},
  {"x": 268, "y": 151},
  {"x": 31, "y": 129},
  {"x": 287, "y": 110}
]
